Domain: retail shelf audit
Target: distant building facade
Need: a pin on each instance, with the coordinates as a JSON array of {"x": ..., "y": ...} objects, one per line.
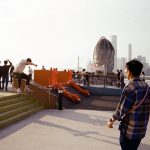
[
  {"x": 146, "y": 67},
  {"x": 129, "y": 52},
  {"x": 121, "y": 63},
  {"x": 114, "y": 43}
]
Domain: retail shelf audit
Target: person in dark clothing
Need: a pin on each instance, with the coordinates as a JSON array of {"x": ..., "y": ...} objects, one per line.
[
  {"x": 11, "y": 73},
  {"x": 0, "y": 74},
  {"x": 87, "y": 78},
  {"x": 143, "y": 75},
  {"x": 118, "y": 78},
  {"x": 5, "y": 76},
  {"x": 122, "y": 84}
]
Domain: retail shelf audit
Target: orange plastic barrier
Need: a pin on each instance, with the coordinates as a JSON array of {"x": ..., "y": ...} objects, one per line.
[
  {"x": 69, "y": 75},
  {"x": 62, "y": 77},
  {"x": 52, "y": 76},
  {"x": 71, "y": 96},
  {"x": 42, "y": 77},
  {"x": 78, "y": 88}
]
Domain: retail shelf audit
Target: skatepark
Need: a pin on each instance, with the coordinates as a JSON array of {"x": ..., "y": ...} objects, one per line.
[{"x": 77, "y": 126}]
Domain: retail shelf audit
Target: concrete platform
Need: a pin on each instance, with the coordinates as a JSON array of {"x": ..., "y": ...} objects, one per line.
[
  {"x": 3, "y": 94},
  {"x": 64, "y": 130}
]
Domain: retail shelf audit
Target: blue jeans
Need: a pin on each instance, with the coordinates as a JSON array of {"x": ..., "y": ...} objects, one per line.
[
  {"x": 5, "y": 81},
  {"x": 127, "y": 144}
]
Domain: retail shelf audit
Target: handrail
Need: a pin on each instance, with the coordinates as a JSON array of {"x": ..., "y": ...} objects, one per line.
[{"x": 41, "y": 88}]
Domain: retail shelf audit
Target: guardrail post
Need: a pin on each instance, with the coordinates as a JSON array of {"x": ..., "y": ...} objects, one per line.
[
  {"x": 60, "y": 99},
  {"x": 49, "y": 95}
]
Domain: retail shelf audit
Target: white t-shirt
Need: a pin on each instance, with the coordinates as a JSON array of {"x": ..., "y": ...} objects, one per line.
[
  {"x": 20, "y": 67},
  {"x": 30, "y": 71}
]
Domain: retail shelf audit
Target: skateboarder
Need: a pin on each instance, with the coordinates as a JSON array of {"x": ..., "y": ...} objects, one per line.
[{"x": 18, "y": 72}]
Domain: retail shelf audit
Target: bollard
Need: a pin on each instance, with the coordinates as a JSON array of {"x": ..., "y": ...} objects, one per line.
[
  {"x": 60, "y": 99},
  {"x": 49, "y": 95}
]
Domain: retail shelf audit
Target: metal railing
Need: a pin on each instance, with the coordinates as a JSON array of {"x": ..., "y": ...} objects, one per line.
[{"x": 101, "y": 80}]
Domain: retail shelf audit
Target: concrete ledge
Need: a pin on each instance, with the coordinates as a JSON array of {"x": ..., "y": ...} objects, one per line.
[{"x": 101, "y": 91}]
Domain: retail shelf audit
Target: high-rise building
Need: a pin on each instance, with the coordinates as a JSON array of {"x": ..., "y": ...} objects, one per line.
[
  {"x": 141, "y": 59},
  {"x": 114, "y": 43},
  {"x": 121, "y": 63},
  {"x": 129, "y": 52}
]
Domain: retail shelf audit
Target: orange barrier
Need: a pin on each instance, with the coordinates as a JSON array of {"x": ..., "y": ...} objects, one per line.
[
  {"x": 52, "y": 76},
  {"x": 42, "y": 77},
  {"x": 78, "y": 88},
  {"x": 69, "y": 75},
  {"x": 71, "y": 96},
  {"x": 62, "y": 77},
  {"x": 56, "y": 79}
]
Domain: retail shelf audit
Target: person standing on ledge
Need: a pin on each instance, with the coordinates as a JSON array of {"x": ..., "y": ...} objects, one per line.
[
  {"x": 133, "y": 110},
  {"x": 18, "y": 72}
]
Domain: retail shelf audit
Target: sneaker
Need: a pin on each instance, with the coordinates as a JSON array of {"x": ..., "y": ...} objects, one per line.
[
  {"x": 19, "y": 91},
  {"x": 27, "y": 89}
]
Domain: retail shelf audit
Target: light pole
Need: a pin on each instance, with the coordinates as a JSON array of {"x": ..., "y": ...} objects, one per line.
[{"x": 78, "y": 63}]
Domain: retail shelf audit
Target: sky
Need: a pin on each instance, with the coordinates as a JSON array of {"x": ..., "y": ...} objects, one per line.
[{"x": 55, "y": 33}]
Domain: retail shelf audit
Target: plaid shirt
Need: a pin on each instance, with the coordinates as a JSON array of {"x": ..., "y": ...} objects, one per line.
[{"x": 134, "y": 124}]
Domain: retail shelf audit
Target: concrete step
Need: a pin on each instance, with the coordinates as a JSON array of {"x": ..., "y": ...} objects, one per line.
[
  {"x": 20, "y": 116},
  {"x": 14, "y": 106},
  {"x": 8, "y": 97},
  {"x": 18, "y": 110},
  {"x": 11, "y": 101}
]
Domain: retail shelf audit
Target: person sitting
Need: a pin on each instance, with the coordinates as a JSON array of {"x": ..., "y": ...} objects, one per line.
[{"x": 18, "y": 72}]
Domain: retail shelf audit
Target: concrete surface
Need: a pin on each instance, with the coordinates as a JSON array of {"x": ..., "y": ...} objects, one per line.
[{"x": 64, "y": 130}]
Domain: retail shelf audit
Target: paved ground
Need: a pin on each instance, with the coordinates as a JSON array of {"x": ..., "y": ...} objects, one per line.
[
  {"x": 75, "y": 129},
  {"x": 64, "y": 130}
]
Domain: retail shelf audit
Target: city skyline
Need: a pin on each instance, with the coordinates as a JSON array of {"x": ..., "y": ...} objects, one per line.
[{"x": 56, "y": 33}]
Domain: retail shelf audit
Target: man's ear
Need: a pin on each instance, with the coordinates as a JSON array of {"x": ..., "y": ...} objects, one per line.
[{"x": 130, "y": 74}]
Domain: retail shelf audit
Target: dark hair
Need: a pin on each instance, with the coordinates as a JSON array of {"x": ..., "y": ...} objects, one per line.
[
  {"x": 135, "y": 67},
  {"x": 5, "y": 62},
  {"x": 28, "y": 60}
]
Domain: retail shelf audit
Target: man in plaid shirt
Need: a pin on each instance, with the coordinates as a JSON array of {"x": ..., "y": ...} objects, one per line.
[{"x": 133, "y": 124}]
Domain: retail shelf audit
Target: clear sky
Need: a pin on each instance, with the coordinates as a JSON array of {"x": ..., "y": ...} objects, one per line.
[{"x": 55, "y": 32}]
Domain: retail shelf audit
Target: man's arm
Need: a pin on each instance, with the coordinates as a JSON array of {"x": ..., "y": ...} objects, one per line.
[
  {"x": 123, "y": 107},
  {"x": 9, "y": 62},
  {"x": 30, "y": 63}
]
